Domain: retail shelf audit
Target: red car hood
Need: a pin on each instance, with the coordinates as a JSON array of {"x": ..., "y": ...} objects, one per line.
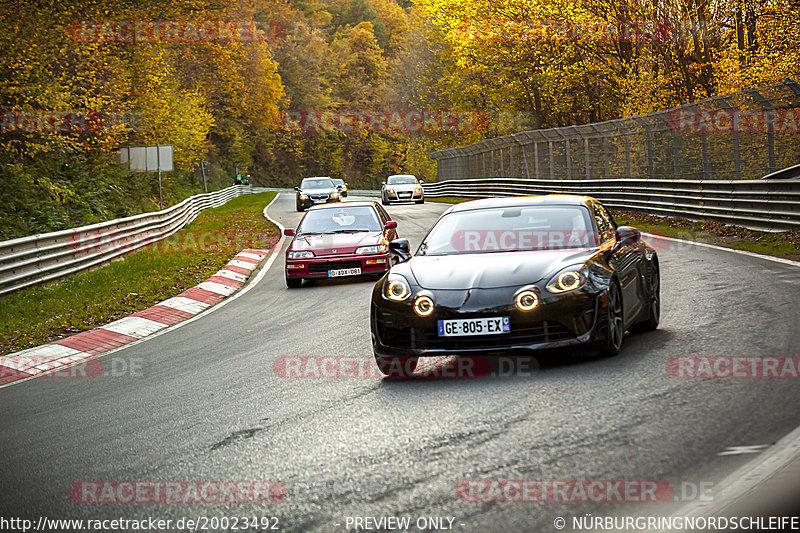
[{"x": 337, "y": 243}]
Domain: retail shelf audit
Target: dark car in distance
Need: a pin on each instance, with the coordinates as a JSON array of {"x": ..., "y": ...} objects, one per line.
[
  {"x": 340, "y": 241},
  {"x": 318, "y": 190},
  {"x": 512, "y": 275}
]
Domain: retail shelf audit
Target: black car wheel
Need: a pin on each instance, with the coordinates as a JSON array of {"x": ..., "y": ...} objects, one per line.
[
  {"x": 299, "y": 208},
  {"x": 420, "y": 201},
  {"x": 654, "y": 304},
  {"x": 397, "y": 367},
  {"x": 384, "y": 201},
  {"x": 615, "y": 326},
  {"x": 294, "y": 283}
]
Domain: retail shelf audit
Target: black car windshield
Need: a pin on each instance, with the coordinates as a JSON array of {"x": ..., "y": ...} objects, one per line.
[
  {"x": 317, "y": 183},
  {"x": 340, "y": 220},
  {"x": 505, "y": 229},
  {"x": 401, "y": 180}
]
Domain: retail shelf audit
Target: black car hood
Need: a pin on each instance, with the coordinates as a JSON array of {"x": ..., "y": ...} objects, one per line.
[{"x": 492, "y": 270}]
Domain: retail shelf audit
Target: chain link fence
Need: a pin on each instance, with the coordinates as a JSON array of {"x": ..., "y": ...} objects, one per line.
[{"x": 744, "y": 135}]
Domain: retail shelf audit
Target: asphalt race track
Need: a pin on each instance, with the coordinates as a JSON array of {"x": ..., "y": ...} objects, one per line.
[{"x": 206, "y": 404}]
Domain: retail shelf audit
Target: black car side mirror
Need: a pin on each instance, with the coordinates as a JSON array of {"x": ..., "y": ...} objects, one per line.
[
  {"x": 400, "y": 248},
  {"x": 625, "y": 236},
  {"x": 297, "y": 188}
]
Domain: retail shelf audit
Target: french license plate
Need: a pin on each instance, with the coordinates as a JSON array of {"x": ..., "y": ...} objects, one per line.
[
  {"x": 320, "y": 200},
  {"x": 344, "y": 272},
  {"x": 474, "y": 326}
]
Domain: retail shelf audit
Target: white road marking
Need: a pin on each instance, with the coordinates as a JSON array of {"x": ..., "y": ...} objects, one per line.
[
  {"x": 742, "y": 450},
  {"x": 218, "y": 288},
  {"x": 722, "y": 248},
  {"x": 251, "y": 255},
  {"x": 181, "y": 303},
  {"x": 242, "y": 264},
  {"x": 52, "y": 351},
  {"x": 230, "y": 274},
  {"x": 134, "y": 326}
]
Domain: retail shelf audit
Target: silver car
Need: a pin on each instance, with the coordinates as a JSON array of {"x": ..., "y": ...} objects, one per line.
[{"x": 402, "y": 188}]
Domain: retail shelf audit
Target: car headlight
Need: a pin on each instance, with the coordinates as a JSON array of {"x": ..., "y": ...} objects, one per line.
[
  {"x": 391, "y": 191},
  {"x": 418, "y": 189},
  {"x": 377, "y": 249},
  {"x": 397, "y": 288},
  {"x": 423, "y": 305},
  {"x": 568, "y": 279},
  {"x": 334, "y": 195},
  {"x": 304, "y": 197},
  {"x": 526, "y": 300},
  {"x": 300, "y": 255}
]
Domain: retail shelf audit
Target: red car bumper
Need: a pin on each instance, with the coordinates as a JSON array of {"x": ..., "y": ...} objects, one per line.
[{"x": 320, "y": 267}]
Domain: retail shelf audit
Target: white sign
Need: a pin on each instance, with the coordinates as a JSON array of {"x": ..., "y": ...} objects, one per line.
[{"x": 147, "y": 158}]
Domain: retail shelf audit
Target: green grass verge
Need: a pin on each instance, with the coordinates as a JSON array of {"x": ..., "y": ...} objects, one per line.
[
  {"x": 35, "y": 315},
  {"x": 783, "y": 244},
  {"x": 449, "y": 200}
]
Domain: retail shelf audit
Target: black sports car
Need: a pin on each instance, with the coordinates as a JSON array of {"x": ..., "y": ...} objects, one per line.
[
  {"x": 507, "y": 275},
  {"x": 320, "y": 190}
]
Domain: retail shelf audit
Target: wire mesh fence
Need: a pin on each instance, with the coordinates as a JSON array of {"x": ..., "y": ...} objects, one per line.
[{"x": 743, "y": 135}]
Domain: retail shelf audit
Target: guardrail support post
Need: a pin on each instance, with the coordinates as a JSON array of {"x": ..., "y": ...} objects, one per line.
[
  {"x": 586, "y": 146},
  {"x": 676, "y": 167},
  {"x": 569, "y": 159},
  {"x": 627, "y": 157}
]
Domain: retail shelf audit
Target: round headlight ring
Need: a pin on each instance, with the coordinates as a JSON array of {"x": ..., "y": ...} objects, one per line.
[
  {"x": 526, "y": 300},
  {"x": 397, "y": 290},
  {"x": 423, "y": 305},
  {"x": 568, "y": 281}
]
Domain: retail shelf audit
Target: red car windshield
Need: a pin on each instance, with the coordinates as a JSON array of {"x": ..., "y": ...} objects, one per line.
[{"x": 340, "y": 220}]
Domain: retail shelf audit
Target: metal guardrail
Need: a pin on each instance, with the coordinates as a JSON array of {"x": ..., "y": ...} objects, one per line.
[
  {"x": 783, "y": 174},
  {"x": 40, "y": 258},
  {"x": 743, "y": 135},
  {"x": 771, "y": 205}
]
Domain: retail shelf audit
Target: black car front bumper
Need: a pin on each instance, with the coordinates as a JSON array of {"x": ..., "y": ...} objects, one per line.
[
  {"x": 558, "y": 321},
  {"x": 310, "y": 200}
]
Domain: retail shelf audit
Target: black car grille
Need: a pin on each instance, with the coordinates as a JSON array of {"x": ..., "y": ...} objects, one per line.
[
  {"x": 395, "y": 332},
  {"x": 320, "y": 268},
  {"x": 318, "y": 196}
]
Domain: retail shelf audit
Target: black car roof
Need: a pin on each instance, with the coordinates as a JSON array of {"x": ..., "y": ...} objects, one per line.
[{"x": 519, "y": 201}]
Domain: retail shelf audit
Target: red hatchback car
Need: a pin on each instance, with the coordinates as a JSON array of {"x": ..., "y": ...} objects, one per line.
[{"x": 340, "y": 240}]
